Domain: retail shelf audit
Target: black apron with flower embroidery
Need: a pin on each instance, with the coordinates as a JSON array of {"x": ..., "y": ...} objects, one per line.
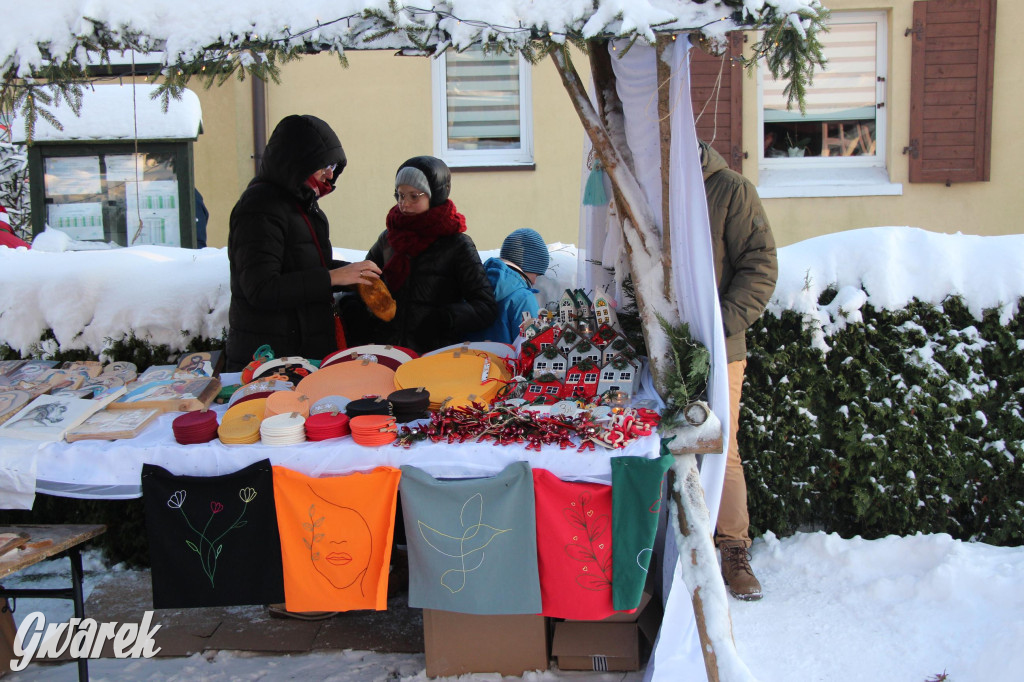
[{"x": 213, "y": 540}]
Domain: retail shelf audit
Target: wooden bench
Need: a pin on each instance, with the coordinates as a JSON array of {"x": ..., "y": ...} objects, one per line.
[{"x": 43, "y": 542}]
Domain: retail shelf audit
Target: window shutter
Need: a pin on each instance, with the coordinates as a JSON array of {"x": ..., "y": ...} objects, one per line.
[
  {"x": 716, "y": 90},
  {"x": 951, "y": 90}
]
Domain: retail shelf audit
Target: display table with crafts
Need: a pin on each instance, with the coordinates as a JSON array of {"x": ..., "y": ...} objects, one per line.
[{"x": 508, "y": 506}]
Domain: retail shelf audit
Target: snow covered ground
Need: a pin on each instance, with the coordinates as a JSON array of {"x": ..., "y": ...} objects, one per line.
[{"x": 898, "y": 609}]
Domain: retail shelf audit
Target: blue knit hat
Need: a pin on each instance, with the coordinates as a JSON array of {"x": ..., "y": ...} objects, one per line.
[{"x": 526, "y": 248}]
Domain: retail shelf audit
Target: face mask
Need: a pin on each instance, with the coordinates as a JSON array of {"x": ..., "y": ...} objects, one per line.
[{"x": 320, "y": 188}]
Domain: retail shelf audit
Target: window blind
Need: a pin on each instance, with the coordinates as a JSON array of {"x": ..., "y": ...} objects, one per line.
[
  {"x": 844, "y": 90},
  {"x": 482, "y": 94}
]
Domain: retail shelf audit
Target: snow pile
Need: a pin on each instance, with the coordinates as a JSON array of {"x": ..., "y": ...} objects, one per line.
[
  {"x": 167, "y": 295},
  {"x": 161, "y": 294},
  {"x": 113, "y": 115},
  {"x": 888, "y": 267}
]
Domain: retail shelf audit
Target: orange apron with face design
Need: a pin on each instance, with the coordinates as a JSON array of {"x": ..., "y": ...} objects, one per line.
[{"x": 336, "y": 538}]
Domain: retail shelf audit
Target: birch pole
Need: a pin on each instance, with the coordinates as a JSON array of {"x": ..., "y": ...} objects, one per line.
[{"x": 648, "y": 256}]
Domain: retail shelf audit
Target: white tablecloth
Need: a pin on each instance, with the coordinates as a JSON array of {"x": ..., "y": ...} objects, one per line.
[{"x": 112, "y": 469}]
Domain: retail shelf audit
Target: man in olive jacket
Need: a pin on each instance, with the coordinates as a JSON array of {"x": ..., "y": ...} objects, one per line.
[{"x": 746, "y": 268}]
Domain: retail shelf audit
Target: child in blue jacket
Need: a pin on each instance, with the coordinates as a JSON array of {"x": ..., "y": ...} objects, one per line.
[{"x": 523, "y": 258}]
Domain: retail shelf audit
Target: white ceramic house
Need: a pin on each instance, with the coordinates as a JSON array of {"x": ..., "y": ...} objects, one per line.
[
  {"x": 621, "y": 373},
  {"x": 604, "y": 309},
  {"x": 567, "y": 308},
  {"x": 584, "y": 350},
  {"x": 618, "y": 345},
  {"x": 550, "y": 361}
]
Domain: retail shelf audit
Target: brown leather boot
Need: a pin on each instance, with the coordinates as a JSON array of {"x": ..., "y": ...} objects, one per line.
[{"x": 736, "y": 572}]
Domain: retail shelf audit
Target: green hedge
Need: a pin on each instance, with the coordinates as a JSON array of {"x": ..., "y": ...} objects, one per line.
[{"x": 911, "y": 422}]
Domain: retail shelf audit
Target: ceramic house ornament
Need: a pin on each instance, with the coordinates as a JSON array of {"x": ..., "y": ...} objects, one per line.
[
  {"x": 581, "y": 380},
  {"x": 618, "y": 346},
  {"x": 552, "y": 361},
  {"x": 584, "y": 309},
  {"x": 584, "y": 350},
  {"x": 604, "y": 335},
  {"x": 567, "y": 308},
  {"x": 604, "y": 309},
  {"x": 546, "y": 388},
  {"x": 621, "y": 373},
  {"x": 569, "y": 337}
]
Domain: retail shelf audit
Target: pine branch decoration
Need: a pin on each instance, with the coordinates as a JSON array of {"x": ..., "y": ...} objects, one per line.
[{"x": 689, "y": 377}]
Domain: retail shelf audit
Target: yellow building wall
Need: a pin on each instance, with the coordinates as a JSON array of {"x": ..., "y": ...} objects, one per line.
[
  {"x": 223, "y": 153},
  {"x": 380, "y": 106},
  {"x": 983, "y": 208}
]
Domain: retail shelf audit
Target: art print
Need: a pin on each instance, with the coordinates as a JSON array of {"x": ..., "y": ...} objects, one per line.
[
  {"x": 48, "y": 417},
  {"x": 168, "y": 389}
]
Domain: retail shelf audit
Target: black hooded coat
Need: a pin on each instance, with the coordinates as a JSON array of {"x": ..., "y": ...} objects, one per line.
[{"x": 281, "y": 292}]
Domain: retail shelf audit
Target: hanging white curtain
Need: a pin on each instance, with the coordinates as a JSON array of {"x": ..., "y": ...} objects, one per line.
[{"x": 677, "y": 654}]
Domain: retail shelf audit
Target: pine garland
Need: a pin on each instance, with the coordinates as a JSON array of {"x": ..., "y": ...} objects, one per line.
[{"x": 790, "y": 46}]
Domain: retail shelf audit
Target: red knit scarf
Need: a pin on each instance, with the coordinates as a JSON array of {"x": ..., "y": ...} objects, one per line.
[{"x": 410, "y": 235}]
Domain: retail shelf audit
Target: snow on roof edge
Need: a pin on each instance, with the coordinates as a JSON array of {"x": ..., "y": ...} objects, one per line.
[{"x": 108, "y": 113}]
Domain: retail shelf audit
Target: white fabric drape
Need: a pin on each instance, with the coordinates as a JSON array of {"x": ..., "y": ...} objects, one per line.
[{"x": 677, "y": 652}]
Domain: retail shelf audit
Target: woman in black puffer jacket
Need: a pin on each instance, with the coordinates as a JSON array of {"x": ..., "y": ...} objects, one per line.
[
  {"x": 279, "y": 249},
  {"x": 430, "y": 265}
]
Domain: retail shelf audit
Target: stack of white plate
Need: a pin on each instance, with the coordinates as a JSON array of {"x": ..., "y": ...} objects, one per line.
[
  {"x": 331, "y": 403},
  {"x": 283, "y": 429}
]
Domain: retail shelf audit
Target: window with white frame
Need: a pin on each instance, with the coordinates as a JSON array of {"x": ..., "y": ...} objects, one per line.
[
  {"x": 842, "y": 129},
  {"x": 552, "y": 390},
  {"x": 482, "y": 109}
]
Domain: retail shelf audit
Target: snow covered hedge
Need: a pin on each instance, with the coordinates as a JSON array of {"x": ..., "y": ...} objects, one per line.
[
  {"x": 892, "y": 420},
  {"x": 912, "y": 422}
]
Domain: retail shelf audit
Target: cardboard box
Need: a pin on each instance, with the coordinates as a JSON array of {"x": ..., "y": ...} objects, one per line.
[
  {"x": 620, "y": 642},
  {"x": 461, "y": 643}
]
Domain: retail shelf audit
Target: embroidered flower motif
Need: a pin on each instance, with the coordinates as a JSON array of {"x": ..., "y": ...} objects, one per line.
[{"x": 209, "y": 548}]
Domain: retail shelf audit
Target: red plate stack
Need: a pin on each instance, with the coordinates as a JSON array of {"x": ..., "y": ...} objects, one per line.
[
  {"x": 372, "y": 430},
  {"x": 195, "y": 427},
  {"x": 325, "y": 425}
]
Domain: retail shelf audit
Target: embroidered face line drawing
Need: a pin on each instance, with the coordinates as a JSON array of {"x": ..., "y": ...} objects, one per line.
[
  {"x": 340, "y": 543},
  {"x": 475, "y": 535}
]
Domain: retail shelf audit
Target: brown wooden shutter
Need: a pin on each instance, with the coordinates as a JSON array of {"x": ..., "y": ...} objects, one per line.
[
  {"x": 951, "y": 90},
  {"x": 721, "y": 102}
]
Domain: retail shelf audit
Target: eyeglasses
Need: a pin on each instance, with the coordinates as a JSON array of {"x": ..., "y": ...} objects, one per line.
[
  {"x": 332, "y": 168},
  {"x": 409, "y": 198}
]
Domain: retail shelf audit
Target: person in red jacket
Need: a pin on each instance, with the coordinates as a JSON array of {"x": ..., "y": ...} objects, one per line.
[{"x": 7, "y": 236}]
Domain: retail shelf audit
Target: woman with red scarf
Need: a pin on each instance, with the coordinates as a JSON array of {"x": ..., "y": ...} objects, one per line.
[{"x": 430, "y": 265}]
